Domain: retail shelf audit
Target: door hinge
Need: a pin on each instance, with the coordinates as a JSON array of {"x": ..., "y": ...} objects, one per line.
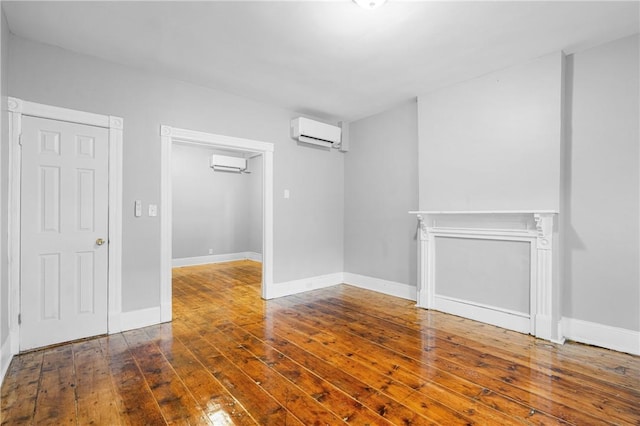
[
  {"x": 19, "y": 319},
  {"x": 20, "y": 139}
]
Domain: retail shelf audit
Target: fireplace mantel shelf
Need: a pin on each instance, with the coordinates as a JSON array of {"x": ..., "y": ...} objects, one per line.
[{"x": 460, "y": 212}]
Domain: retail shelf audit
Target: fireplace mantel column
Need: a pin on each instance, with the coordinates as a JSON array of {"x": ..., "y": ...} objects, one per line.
[
  {"x": 547, "y": 299},
  {"x": 425, "y": 265}
]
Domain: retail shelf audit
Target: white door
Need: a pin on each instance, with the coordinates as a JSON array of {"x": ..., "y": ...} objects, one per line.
[{"x": 64, "y": 229}]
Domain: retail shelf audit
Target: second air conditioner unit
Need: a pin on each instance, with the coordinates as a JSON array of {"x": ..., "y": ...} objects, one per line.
[{"x": 228, "y": 164}]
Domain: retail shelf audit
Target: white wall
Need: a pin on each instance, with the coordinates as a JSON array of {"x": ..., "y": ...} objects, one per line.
[
  {"x": 493, "y": 143},
  {"x": 211, "y": 209},
  {"x": 602, "y": 206},
  {"x": 308, "y": 228},
  {"x": 4, "y": 181},
  {"x": 380, "y": 189}
]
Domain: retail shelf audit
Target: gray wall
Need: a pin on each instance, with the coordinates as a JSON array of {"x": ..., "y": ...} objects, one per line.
[
  {"x": 212, "y": 210},
  {"x": 602, "y": 206},
  {"x": 493, "y": 143},
  {"x": 4, "y": 181},
  {"x": 380, "y": 188},
  {"x": 459, "y": 258},
  {"x": 597, "y": 176},
  {"x": 600, "y": 178},
  {"x": 308, "y": 228}
]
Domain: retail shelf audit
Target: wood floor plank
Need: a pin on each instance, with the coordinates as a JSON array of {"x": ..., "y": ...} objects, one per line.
[
  {"x": 20, "y": 388},
  {"x": 217, "y": 403},
  {"x": 347, "y": 408},
  {"x": 330, "y": 356},
  {"x": 56, "y": 402},
  {"x": 96, "y": 398},
  {"x": 263, "y": 407},
  {"x": 175, "y": 401},
  {"x": 306, "y": 409},
  {"x": 135, "y": 399},
  {"x": 386, "y": 407}
]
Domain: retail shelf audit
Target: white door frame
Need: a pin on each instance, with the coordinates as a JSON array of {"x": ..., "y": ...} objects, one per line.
[
  {"x": 18, "y": 108},
  {"x": 169, "y": 135}
]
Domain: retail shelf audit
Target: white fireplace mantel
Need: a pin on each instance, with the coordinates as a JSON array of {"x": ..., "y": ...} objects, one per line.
[{"x": 537, "y": 227}]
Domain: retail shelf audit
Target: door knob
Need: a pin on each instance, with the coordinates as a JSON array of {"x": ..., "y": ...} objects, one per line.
[{"x": 100, "y": 241}]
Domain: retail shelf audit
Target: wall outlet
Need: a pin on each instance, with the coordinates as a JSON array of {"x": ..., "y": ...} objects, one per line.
[{"x": 210, "y": 251}]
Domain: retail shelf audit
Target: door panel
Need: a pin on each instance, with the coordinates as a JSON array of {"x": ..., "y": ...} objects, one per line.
[{"x": 64, "y": 211}]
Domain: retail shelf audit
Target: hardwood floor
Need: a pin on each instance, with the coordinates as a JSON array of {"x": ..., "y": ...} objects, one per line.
[{"x": 332, "y": 356}]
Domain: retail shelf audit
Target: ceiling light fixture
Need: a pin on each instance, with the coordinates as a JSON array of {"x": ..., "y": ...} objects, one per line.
[{"x": 369, "y": 4}]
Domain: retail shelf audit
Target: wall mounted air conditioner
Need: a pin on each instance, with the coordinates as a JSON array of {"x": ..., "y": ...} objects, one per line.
[
  {"x": 315, "y": 132},
  {"x": 228, "y": 164}
]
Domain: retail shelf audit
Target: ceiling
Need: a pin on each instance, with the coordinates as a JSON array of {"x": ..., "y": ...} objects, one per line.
[{"x": 329, "y": 59}]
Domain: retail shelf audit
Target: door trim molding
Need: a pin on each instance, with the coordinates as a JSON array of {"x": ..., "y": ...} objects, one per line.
[
  {"x": 169, "y": 135},
  {"x": 18, "y": 108}
]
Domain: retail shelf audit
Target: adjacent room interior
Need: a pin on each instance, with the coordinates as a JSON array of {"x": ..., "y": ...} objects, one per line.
[
  {"x": 217, "y": 205},
  {"x": 314, "y": 213}
]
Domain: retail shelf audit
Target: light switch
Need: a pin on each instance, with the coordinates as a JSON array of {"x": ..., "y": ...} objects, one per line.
[
  {"x": 287, "y": 194},
  {"x": 153, "y": 210},
  {"x": 138, "y": 208}
]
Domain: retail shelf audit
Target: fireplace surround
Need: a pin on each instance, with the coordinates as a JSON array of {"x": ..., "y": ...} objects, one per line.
[{"x": 538, "y": 228}]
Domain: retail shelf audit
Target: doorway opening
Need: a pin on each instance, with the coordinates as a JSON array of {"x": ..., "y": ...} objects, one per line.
[
  {"x": 217, "y": 205},
  {"x": 171, "y": 136}
]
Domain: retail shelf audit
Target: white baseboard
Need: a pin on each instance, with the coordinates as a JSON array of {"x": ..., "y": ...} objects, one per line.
[
  {"x": 391, "y": 288},
  {"x": 252, "y": 255},
  {"x": 306, "y": 284},
  {"x": 6, "y": 355},
  {"x": 140, "y": 318},
  {"x": 591, "y": 333},
  {"x": 215, "y": 258},
  {"x": 487, "y": 314}
]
